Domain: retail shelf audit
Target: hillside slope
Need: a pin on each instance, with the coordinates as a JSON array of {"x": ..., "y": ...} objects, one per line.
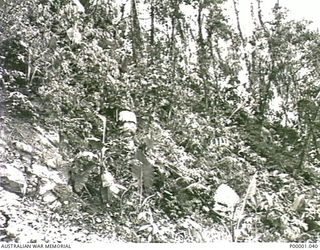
[{"x": 135, "y": 121}]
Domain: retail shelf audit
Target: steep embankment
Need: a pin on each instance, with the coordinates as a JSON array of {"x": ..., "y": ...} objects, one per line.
[{"x": 37, "y": 203}]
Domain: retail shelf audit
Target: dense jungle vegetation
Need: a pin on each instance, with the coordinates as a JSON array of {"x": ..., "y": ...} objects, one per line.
[{"x": 173, "y": 125}]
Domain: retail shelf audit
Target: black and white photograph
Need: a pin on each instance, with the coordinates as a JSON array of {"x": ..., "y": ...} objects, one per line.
[{"x": 159, "y": 121}]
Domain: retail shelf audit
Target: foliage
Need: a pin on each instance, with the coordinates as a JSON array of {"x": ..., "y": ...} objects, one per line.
[{"x": 73, "y": 68}]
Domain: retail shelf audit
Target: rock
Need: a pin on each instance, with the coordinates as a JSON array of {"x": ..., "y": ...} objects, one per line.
[
  {"x": 40, "y": 171},
  {"x": 226, "y": 196},
  {"x": 74, "y": 35},
  {"x": 22, "y": 232},
  {"x": 49, "y": 197},
  {"x": 2, "y": 142},
  {"x": 21, "y": 146},
  {"x": 3, "y": 146},
  {"x": 52, "y": 159},
  {"x": 8, "y": 199},
  {"x": 54, "y": 205},
  {"x": 26, "y": 159},
  {"x": 12, "y": 230},
  {"x": 52, "y": 163},
  {"x": 12, "y": 179},
  {"x": 2, "y": 151},
  {"x": 43, "y": 140},
  {"x": 45, "y": 186},
  {"x": 3, "y": 220},
  {"x": 44, "y": 172},
  {"x": 79, "y": 6},
  {"x": 47, "y": 138},
  {"x": 88, "y": 156},
  {"x": 49, "y": 180}
]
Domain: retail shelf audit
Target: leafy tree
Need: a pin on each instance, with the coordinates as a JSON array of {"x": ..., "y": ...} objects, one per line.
[{"x": 73, "y": 66}]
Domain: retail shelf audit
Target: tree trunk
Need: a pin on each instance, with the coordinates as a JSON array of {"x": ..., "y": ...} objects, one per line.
[
  {"x": 152, "y": 49},
  {"x": 135, "y": 33},
  {"x": 202, "y": 56}
]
